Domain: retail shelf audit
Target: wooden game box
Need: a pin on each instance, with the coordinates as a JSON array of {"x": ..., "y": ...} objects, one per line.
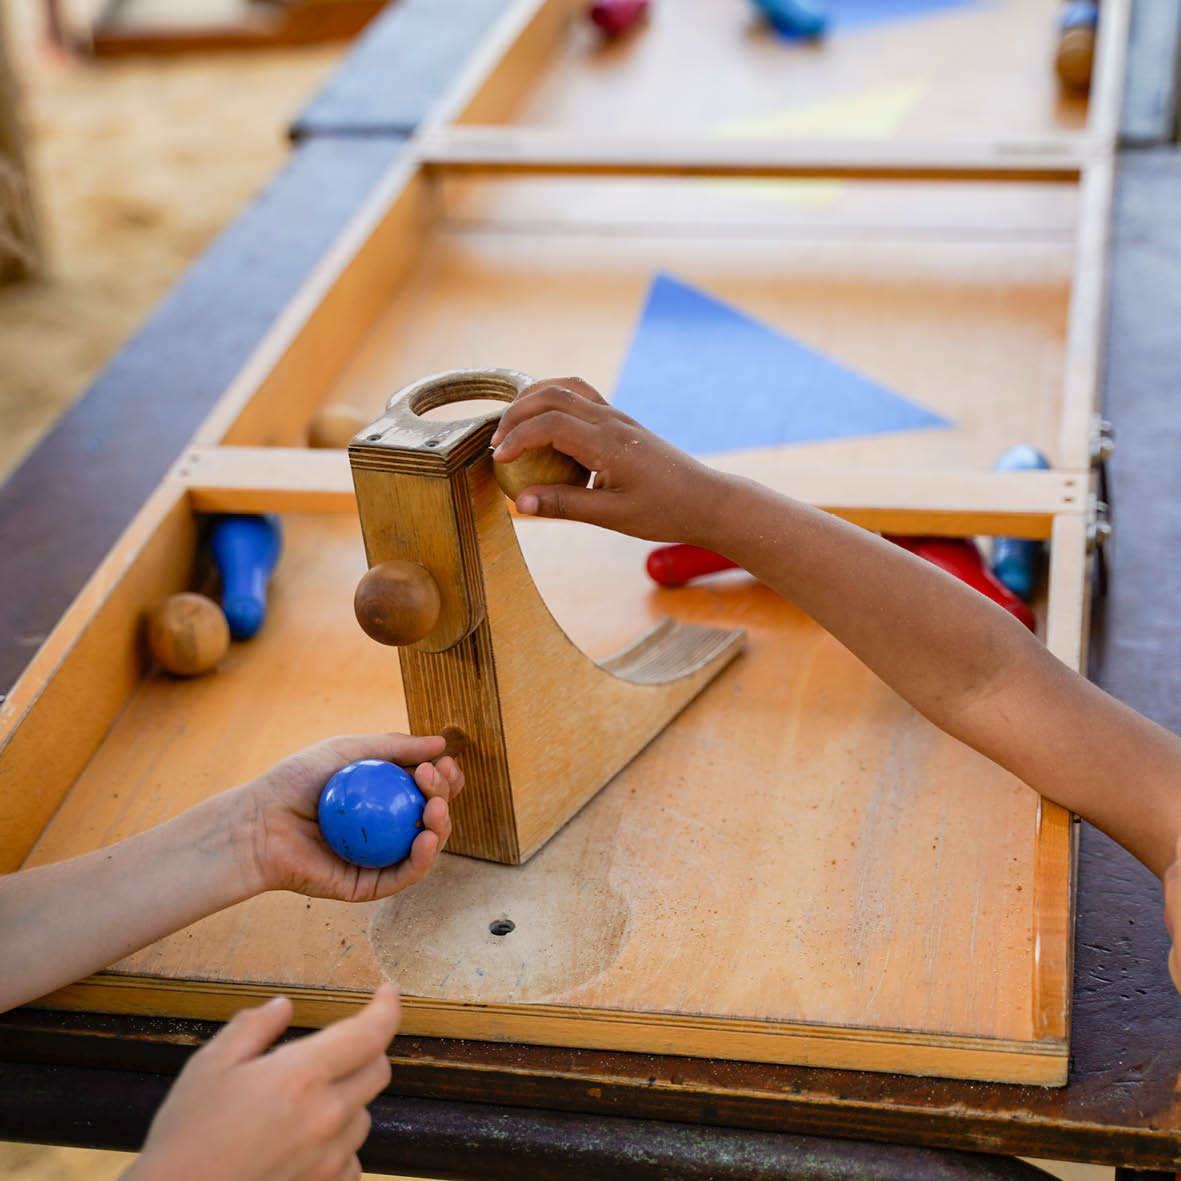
[{"x": 799, "y": 868}]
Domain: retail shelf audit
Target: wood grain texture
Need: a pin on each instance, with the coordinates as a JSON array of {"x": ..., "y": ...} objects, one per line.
[
  {"x": 83, "y": 674},
  {"x": 971, "y": 328},
  {"x": 944, "y": 502},
  {"x": 653, "y": 879},
  {"x": 491, "y": 149},
  {"x": 427, "y": 495},
  {"x": 651, "y": 82}
]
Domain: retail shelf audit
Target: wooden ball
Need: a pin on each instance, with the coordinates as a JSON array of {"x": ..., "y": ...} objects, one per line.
[
  {"x": 542, "y": 465},
  {"x": 188, "y": 634},
  {"x": 336, "y": 424},
  {"x": 397, "y": 603},
  {"x": 1075, "y": 56}
]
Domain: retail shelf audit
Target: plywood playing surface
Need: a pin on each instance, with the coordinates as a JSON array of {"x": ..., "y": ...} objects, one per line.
[
  {"x": 799, "y": 846},
  {"x": 970, "y": 326},
  {"x": 958, "y": 70}
]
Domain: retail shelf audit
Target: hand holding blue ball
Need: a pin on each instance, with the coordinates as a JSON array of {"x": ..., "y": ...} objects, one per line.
[{"x": 370, "y": 812}]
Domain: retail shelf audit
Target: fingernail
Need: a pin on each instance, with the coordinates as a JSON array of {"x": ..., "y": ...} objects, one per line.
[
  {"x": 527, "y": 505},
  {"x": 495, "y": 449},
  {"x": 275, "y": 1002}
]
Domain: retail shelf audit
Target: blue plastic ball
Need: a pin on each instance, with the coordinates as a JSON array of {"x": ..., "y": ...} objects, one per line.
[{"x": 370, "y": 812}]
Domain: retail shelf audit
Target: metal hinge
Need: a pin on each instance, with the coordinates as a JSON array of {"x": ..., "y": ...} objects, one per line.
[
  {"x": 1098, "y": 523},
  {"x": 1102, "y": 442}
]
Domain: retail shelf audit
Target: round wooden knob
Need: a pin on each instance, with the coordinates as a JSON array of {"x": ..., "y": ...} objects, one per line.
[
  {"x": 188, "y": 634},
  {"x": 542, "y": 465},
  {"x": 397, "y": 603},
  {"x": 336, "y": 424},
  {"x": 1075, "y": 55}
]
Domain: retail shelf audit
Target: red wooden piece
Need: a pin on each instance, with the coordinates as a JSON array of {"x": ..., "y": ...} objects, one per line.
[
  {"x": 674, "y": 565},
  {"x": 615, "y": 17}
]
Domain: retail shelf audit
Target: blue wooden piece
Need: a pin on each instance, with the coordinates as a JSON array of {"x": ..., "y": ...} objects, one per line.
[
  {"x": 710, "y": 378},
  {"x": 795, "y": 18},
  {"x": 1078, "y": 14},
  {"x": 1017, "y": 560},
  {"x": 245, "y": 550}
]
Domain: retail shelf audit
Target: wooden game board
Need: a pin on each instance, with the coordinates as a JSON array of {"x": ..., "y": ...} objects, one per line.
[{"x": 800, "y": 869}]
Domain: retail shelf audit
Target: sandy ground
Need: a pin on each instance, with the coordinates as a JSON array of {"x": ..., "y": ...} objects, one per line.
[{"x": 137, "y": 164}]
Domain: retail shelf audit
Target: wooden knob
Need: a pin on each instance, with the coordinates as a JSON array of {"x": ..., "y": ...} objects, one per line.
[
  {"x": 336, "y": 424},
  {"x": 1075, "y": 55},
  {"x": 188, "y": 634},
  {"x": 542, "y": 465},
  {"x": 397, "y": 603}
]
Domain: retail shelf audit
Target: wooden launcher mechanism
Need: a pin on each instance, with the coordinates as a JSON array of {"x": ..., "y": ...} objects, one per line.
[{"x": 542, "y": 726}]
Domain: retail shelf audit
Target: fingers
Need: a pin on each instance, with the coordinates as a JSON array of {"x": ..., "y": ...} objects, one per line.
[
  {"x": 363, "y": 1085},
  {"x": 569, "y": 394},
  {"x": 350, "y": 1172},
  {"x": 250, "y": 1032},
  {"x": 411, "y": 871},
  {"x": 443, "y": 779},
  {"x": 393, "y": 748},
  {"x": 573, "y": 436},
  {"x": 348, "y": 1045},
  {"x": 592, "y": 505}
]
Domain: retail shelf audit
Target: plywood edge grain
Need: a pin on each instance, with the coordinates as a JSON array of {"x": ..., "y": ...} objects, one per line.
[
  {"x": 952, "y": 503},
  {"x": 76, "y": 685},
  {"x": 1056, "y": 848},
  {"x": 289, "y": 373},
  {"x": 1041, "y": 1063},
  {"x": 509, "y": 63},
  {"x": 531, "y": 151},
  {"x": 1107, "y": 85}
]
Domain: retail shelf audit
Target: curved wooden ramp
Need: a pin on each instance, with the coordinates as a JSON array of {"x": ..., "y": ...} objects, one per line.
[{"x": 545, "y": 726}]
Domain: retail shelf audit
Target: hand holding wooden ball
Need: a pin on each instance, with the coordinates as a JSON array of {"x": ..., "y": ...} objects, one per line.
[
  {"x": 397, "y": 603},
  {"x": 188, "y": 634},
  {"x": 541, "y": 465}
]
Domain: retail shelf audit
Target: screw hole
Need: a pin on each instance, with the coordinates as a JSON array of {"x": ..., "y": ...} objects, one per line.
[
  {"x": 433, "y": 442},
  {"x": 502, "y": 926},
  {"x": 372, "y": 438}
]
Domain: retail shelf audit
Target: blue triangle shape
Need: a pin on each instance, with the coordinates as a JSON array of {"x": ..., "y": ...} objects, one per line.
[
  {"x": 708, "y": 379},
  {"x": 851, "y": 14}
]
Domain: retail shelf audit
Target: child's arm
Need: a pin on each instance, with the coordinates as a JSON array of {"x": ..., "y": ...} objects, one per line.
[
  {"x": 61, "y": 922},
  {"x": 961, "y": 660}
]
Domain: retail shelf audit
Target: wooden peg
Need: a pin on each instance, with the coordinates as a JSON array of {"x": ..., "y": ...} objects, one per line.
[
  {"x": 397, "y": 603},
  {"x": 546, "y": 727}
]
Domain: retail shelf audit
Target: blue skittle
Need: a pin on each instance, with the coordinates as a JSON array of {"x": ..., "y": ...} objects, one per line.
[
  {"x": 1017, "y": 560},
  {"x": 245, "y": 550}
]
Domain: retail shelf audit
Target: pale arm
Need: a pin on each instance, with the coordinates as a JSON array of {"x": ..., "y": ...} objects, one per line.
[{"x": 61, "y": 922}]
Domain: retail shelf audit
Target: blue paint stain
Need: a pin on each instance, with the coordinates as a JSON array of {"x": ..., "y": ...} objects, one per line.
[{"x": 710, "y": 379}]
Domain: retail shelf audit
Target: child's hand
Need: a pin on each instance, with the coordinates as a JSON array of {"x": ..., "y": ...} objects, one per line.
[
  {"x": 286, "y": 847},
  {"x": 643, "y": 485},
  {"x": 1172, "y": 880},
  {"x": 294, "y": 1114}
]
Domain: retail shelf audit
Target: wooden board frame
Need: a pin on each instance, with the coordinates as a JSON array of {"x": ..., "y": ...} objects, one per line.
[{"x": 341, "y": 300}]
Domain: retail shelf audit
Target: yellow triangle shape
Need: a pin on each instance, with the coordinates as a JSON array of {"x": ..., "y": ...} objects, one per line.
[{"x": 876, "y": 113}]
